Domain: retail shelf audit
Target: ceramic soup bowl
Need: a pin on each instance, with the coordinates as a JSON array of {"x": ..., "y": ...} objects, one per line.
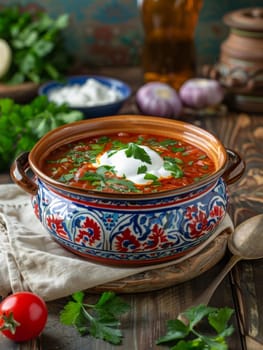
[{"x": 129, "y": 229}]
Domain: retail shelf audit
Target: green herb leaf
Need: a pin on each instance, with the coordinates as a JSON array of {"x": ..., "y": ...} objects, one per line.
[
  {"x": 168, "y": 142},
  {"x": 103, "y": 139},
  {"x": 99, "y": 320},
  {"x": 150, "y": 176},
  {"x": 72, "y": 309},
  {"x": 110, "y": 304},
  {"x": 137, "y": 152},
  {"x": 101, "y": 170},
  {"x": 214, "y": 344},
  {"x": 176, "y": 329},
  {"x": 196, "y": 314},
  {"x": 190, "y": 345},
  {"x": 122, "y": 185},
  {"x": 38, "y": 49},
  {"x": 153, "y": 178},
  {"x": 203, "y": 156},
  {"x": 142, "y": 169},
  {"x": 66, "y": 178},
  {"x": 178, "y": 149},
  {"x": 106, "y": 330},
  {"x": 187, "y": 336},
  {"x": 219, "y": 319},
  {"x": 93, "y": 176},
  {"x": 21, "y": 126},
  {"x": 172, "y": 165}
]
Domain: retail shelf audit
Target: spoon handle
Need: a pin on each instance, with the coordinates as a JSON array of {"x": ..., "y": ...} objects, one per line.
[{"x": 207, "y": 294}]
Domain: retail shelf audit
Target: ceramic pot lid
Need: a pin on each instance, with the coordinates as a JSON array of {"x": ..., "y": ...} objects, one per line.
[{"x": 250, "y": 19}]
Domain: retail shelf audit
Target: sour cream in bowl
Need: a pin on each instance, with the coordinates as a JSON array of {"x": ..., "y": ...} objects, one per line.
[
  {"x": 95, "y": 96},
  {"x": 129, "y": 166}
]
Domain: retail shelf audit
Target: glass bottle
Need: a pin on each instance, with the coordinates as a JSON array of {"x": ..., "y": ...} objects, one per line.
[{"x": 169, "y": 51}]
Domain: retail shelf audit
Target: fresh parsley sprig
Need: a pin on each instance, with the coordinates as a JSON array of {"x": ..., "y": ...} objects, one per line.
[
  {"x": 37, "y": 44},
  {"x": 137, "y": 152},
  {"x": 187, "y": 336},
  {"x": 99, "y": 320},
  {"x": 21, "y": 126}
]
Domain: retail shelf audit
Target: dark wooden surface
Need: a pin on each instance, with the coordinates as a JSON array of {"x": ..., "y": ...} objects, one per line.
[{"x": 241, "y": 290}]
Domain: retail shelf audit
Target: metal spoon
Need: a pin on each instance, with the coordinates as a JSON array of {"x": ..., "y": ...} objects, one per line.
[{"x": 245, "y": 243}]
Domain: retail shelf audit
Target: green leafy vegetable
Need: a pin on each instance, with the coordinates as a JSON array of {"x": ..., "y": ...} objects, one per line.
[
  {"x": 137, "y": 152},
  {"x": 21, "y": 126},
  {"x": 153, "y": 178},
  {"x": 99, "y": 320},
  {"x": 142, "y": 169},
  {"x": 149, "y": 176},
  {"x": 122, "y": 185},
  {"x": 188, "y": 336},
  {"x": 99, "y": 180},
  {"x": 178, "y": 149},
  {"x": 37, "y": 45},
  {"x": 172, "y": 164}
]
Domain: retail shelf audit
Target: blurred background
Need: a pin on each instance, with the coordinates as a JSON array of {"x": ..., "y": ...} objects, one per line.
[{"x": 109, "y": 32}]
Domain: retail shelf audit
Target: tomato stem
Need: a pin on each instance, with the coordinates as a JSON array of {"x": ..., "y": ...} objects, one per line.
[{"x": 9, "y": 323}]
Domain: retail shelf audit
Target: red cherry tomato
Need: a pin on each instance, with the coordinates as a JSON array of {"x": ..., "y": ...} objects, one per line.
[{"x": 23, "y": 316}]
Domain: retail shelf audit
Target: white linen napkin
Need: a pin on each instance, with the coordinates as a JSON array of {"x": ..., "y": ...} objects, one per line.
[{"x": 31, "y": 260}]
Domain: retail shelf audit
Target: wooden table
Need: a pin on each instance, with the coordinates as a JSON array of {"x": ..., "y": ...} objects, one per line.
[{"x": 241, "y": 290}]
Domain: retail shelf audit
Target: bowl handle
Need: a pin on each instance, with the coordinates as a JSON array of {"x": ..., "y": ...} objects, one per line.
[
  {"x": 19, "y": 174},
  {"x": 235, "y": 167}
]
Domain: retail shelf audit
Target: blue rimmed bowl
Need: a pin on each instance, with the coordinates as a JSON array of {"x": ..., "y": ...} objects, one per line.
[{"x": 97, "y": 110}]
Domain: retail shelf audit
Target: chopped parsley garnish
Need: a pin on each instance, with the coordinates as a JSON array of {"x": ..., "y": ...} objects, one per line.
[
  {"x": 118, "y": 145},
  {"x": 121, "y": 185},
  {"x": 168, "y": 142},
  {"x": 99, "y": 180},
  {"x": 103, "y": 139},
  {"x": 102, "y": 170},
  {"x": 203, "y": 156},
  {"x": 178, "y": 149},
  {"x": 66, "y": 177},
  {"x": 149, "y": 176},
  {"x": 87, "y": 164},
  {"x": 153, "y": 178},
  {"x": 137, "y": 152},
  {"x": 142, "y": 169},
  {"x": 171, "y": 164}
]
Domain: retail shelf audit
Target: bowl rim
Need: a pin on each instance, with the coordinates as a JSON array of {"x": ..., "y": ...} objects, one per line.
[
  {"x": 43, "y": 89},
  {"x": 76, "y": 131}
]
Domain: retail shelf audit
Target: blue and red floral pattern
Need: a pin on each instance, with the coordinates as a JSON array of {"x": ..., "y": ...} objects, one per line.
[{"x": 152, "y": 230}]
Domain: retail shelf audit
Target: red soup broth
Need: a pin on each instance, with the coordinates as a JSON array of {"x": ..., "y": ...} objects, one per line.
[{"x": 75, "y": 164}]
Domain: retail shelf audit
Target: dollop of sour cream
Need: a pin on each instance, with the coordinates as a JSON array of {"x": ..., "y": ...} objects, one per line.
[
  {"x": 128, "y": 167},
  {"x": 91, "y": 93}
]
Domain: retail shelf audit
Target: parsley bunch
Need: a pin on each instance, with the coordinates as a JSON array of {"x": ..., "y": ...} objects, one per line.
[
  {"x": 21, "y": 126},
  {"x": 36, "y": 42},
  {"x": 100, "y": 320},
  {"x": 187, "y": 336}
]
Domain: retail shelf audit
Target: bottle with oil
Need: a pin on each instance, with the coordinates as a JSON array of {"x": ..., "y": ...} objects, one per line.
[{"x": 169, "y": 51}]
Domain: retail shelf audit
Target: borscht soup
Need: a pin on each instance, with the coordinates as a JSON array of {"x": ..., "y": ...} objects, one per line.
[{"x": 128, "y": 163}]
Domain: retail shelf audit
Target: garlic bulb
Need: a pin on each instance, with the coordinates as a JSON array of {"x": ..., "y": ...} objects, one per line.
[
  {"x": 200, "y": 93},
  {"x": 158, "y": 99}
]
